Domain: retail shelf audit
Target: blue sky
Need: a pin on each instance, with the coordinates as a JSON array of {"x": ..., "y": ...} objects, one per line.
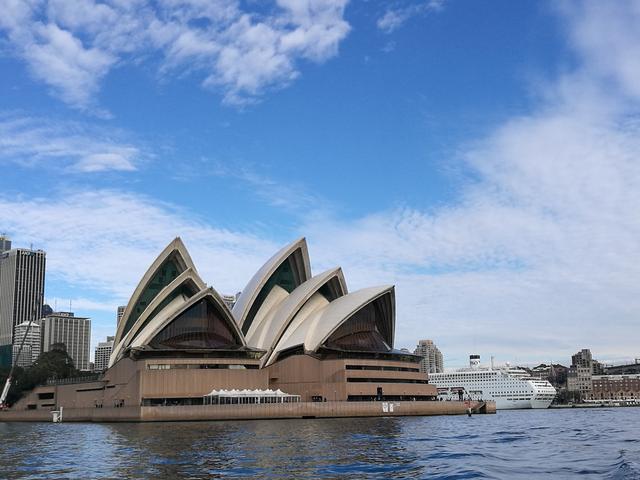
[{"x": 482, "y": 157}]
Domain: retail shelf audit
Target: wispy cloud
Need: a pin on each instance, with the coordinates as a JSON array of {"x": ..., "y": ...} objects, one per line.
[
  {"x": 290, "y": 196},
  {"x": 66, "y": 145},
  {"x": 543, "y": 242},
  {"x": 397, "y": 16},
  {"x": 537, "y": 258},
  {"x": 103, "y": 241},
  {"x": 606, "y": 34},
  {"x": 71, "y": 46}
]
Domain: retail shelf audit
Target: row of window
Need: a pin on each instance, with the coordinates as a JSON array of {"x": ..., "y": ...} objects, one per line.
[
  {"x": 385, "y": 380},
  {"x": 199, "y": 366},
  {"x": 384, "y": 368}
]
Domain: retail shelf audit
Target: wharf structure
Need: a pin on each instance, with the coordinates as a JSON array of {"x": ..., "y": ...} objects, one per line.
[{"x": 329, "y": 351}]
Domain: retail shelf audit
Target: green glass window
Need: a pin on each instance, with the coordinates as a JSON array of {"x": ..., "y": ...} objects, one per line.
[
  {"x": 201, "y": 326},
  {"x": 364, "y": 331},
  {"x": 167, "y": 273},
  {"x": 182, "y": 290}
]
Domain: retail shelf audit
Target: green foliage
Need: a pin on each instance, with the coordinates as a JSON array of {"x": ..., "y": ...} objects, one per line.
[{"x": 54, "y": 364}]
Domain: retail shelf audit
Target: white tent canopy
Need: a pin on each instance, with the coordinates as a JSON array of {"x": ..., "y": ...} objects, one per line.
[{"x": 227, "y": 397}]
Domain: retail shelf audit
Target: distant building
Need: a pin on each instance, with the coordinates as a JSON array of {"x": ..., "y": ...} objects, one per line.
[
  {"x": 31, "y": 348},
  {"x": 120, "y": 313},
  {"x": 5, "y": 243},
  {"x": 230, "y": 300},
  {"x": 432, "y": 361},
  {"x": 555, "y": 374},
  {"x": 616, "y": 387},
  {"x": 74, "y": 332},
  {"x": 22, "y": 274},
  {"x": 579, "y": 377},
  {"x": 630, "y": 368},
  {"x": 102, "y": 354}
]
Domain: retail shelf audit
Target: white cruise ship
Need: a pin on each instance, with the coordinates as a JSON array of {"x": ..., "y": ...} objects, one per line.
[{"x": 509, "y": 387}]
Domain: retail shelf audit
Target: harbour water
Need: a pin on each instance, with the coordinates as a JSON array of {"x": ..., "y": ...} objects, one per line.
[{"x": 576, "y": 443}]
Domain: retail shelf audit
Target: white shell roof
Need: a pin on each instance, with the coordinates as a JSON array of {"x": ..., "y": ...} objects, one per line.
[
  {"x": 319, "y": 326},
  {"x": 167, "y": 315},
  {"x": 176, "y": 246},
  {"x": 266, "y": 335},
  {"x": 189, "y": 275},
  {"x": 251, "y": 291}
]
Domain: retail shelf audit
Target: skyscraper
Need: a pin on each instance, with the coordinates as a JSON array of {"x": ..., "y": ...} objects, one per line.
[
  {"x": 21, "y": 291},
  {"x": 432, "y": 361},
  {"x": 31, "y": 348},
  {"x": 120, "y": 313},
  {"x": 74, "y": 332},
  {"x": 5, "y": 243},
  {"x": 579, "y": 377},
  {"x": 103, "y": 352}
]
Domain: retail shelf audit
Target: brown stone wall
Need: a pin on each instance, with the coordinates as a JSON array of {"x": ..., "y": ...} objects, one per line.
[
  {"x": 308, "y": 377},
  {"x": 616, "y": 389},
  {"x": 246, "y": 412}
]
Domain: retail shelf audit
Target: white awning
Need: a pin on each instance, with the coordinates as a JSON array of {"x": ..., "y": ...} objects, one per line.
[{"x": 249, "y": 393}]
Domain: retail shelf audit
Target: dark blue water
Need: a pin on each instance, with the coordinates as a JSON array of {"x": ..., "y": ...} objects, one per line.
[{"x": 599, "y": 443}]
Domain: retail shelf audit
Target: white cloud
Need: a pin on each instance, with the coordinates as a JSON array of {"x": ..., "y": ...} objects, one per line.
[
  {"x": 60, "y": 59},
  {"x": 608, "y": 37},
  {"x": 103, "y": 241},
  {"x": 539, "y": 257},
  {"x": 395, "y": 17},
  {"x": 290, "y": 196},
  {"x": 43, "y": 142},
  {"x": 72, "y": 45},
  {"x": 543, "y": 246}
]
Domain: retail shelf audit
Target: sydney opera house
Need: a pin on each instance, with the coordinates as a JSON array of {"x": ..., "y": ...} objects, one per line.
[{"x": 304, "y": 336}]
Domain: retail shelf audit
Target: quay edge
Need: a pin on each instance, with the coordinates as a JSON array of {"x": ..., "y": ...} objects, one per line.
[{"x": 253, "y": 412}]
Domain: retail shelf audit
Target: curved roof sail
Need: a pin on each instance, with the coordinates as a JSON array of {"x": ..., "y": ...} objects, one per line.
[
  {"x": 287, "y": 269},
  {"x": 360, "y": 321},
  {"x": 185, "y": 285},
  {"x": 171, "y": 262},
  {"x": 202, "y": 322},
  {"x": 266, "y": 334}
]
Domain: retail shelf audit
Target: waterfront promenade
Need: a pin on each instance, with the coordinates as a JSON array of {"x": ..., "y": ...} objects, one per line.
[{"x": 252, "y": 411}]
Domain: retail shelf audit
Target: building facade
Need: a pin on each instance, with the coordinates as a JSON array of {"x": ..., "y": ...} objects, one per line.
[
  {"x": 74, "y": 332},
  {"x": 580, "y": 374},
  {"x": 432, "y": 360},
  {"x": 616, "y": 387},
  {"x": 102, "y": 355},
  {"x": 555, "y": 374},
  {"x": 5, "y": 243},
  {"x": 120, "y": 313},
  {"x": 32, "y": 344},
  {"x": 629, "y": 368},
  {"x": 230, "y": 300},
  {"x": 22, "y": 275}
]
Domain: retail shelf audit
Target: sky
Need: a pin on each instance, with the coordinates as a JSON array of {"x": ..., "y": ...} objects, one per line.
[{"x": 483, "y": 157}]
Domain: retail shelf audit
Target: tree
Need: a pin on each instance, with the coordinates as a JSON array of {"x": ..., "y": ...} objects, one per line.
[{"x": 54, "y": 364}]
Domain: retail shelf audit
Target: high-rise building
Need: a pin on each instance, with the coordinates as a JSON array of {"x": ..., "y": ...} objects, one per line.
[
  {"x": 580, "y": 375},
  {"x": 432, "y": 361},
  {"x": 31, "y": 348},
  {"x": 120, "y": 313},
  {"x": 74, "y": 332},
  {"x": 21, "y": 292},
  {"x": 5, "y": 243},
  {"x": 230, "y": 300},
  {"x": 103, "y": 352}
]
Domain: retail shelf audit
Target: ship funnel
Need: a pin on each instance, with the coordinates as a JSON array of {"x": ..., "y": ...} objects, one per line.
[{"x": 474, "y": 361}]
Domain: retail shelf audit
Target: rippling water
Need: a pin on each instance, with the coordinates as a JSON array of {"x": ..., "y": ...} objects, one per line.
[{"x": 598, "y": 443}]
